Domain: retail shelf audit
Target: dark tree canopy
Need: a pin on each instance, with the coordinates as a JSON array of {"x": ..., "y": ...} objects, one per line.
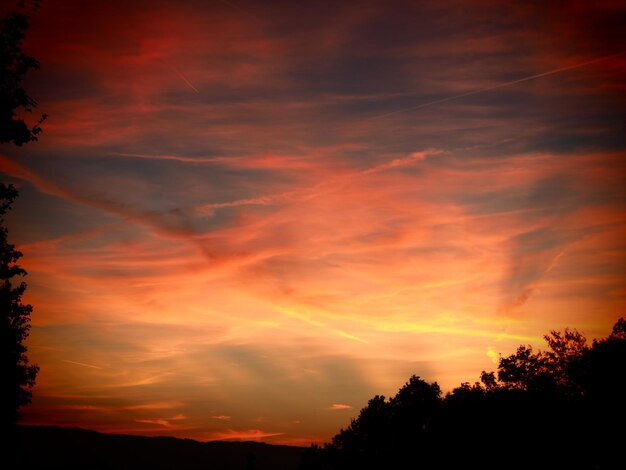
[
  {"x": 17, "y": 375},
  {"x": 558, "y": 408},
  {"x": 15, "y": 103}
]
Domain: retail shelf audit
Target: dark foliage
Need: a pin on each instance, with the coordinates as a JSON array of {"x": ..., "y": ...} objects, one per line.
[
  {"x": 15, "y": 103},
  {"x": 18, "y": 376},
  {"x": 559, "y": 408}
]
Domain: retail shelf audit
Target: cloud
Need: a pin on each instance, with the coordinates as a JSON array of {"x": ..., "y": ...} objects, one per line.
[
  {"x": 517, "y": 81},
  {"x": 159, "y": 405},
  {"x": 160, "y": 422},
  {"x": 241, "y": 435},
  {"x": 339, "y": 406},
  {"x": 221, "y": 417},
  {"x": 264, "y": 245},
  {"x": 400, "y": 162},
  {"x": 266, "y": 161},
  {"x": 492, "y": 354},
  {"x": 166, "y": 422}
]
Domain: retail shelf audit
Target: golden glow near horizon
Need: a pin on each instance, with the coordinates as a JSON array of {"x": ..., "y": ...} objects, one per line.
[{"x": 230, "y": 233}]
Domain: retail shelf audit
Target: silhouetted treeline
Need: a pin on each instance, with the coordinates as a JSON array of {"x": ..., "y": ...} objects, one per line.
[{"x": 560, "y": 408}]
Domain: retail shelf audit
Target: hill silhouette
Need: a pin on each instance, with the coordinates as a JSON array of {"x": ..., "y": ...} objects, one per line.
[{"x": 50, "y": 447}]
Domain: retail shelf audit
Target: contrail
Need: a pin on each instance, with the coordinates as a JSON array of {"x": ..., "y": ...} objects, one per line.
[
  {"x": 500, "y": 85},
  {"x": 176, "y": 158},
  {"x": 184, "y": 79},
  {"x": 302, "y": 317},
  {"x": 82, "y": 364}
]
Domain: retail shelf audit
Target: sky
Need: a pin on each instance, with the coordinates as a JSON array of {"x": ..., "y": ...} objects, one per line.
[{"x": 244, "y": 219}]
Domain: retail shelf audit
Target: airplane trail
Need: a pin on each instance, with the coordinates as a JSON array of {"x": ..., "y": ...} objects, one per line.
[
  {"x": 82, "y": 364},
  {"x": 176, "y": 158},
  {"x": 184, "y": 79},
  {"x": 500, "y": 85}
]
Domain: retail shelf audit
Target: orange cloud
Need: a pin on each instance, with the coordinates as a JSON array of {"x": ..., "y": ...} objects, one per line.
[
  {"x": 214, "y": 224},
  {"x": 339, "y": 406},
  {"x": 167, "y": 422},
  {"x": 245, "y": 435},
  {"x": 221, "y": 417}
]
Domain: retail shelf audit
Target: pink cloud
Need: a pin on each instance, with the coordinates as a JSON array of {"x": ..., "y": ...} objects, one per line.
[
  {"x": 243, "y": 435},
  {"x": 339, "y": 406},
  {"x": 166, "y": 422},
  {"x": 221, "y": 417},
  {"x": 258, "y": 205}
]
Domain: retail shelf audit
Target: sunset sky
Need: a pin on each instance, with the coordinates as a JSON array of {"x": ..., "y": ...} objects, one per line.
[{"x": 245, "y": 218}]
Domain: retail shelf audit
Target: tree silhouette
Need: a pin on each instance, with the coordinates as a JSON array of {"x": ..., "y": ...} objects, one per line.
[
  {"x": 558, "y": 408},
  {"x": 386, "y": 434},
  {"x": 17, "y": 376},
  {"x": 560, "y": 366},
  {"x": 14, "y": 65}
]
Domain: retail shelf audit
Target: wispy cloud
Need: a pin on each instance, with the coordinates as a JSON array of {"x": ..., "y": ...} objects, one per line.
[
  {"x": 248, "y": 235},
  {"x": 221, "y": 417},
  {"x": 241, "y": 435},
  {"x": 166, "y": 422},
  {"x": 497, "y": 86},
  {"x": 159, "y": 405}
]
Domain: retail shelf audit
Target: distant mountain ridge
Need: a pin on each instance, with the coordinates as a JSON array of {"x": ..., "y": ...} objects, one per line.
[{"x": 51, "y": 447}]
